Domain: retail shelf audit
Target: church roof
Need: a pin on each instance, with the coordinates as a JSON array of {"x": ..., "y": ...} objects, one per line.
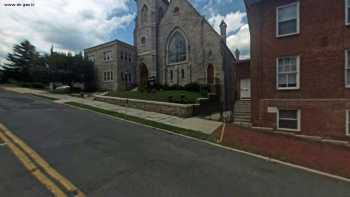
[{"x": 212, "y": 28}]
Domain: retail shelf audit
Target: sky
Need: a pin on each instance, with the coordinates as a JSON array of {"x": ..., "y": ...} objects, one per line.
[{"x": 72, "y": 25}]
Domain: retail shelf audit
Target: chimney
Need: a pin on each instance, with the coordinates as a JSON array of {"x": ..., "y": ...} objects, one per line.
[
  {"x": 223, "y": 27},
  {"x": 237, "y": 54}
]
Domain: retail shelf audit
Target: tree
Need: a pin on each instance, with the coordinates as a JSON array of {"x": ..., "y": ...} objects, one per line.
[
  {"x": 23, "y": 58},
  {"x": 69, "y": 69}
]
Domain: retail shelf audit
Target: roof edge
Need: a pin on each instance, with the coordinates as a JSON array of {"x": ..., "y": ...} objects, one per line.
[{"x": 116, "y": 41}]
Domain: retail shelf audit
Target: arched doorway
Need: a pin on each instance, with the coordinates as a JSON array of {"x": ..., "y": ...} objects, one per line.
[
  {"x": 143, "y": 75},
  {"x": 210, "y": 75}
]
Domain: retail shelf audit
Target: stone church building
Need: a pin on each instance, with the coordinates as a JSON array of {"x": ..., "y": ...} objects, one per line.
[{"x": 177, "y": 46}]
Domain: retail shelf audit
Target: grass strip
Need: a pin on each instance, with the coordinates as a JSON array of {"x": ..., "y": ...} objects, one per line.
[
  {"x": 45, "y": 97},
  {"x": 187, "y": 132}
]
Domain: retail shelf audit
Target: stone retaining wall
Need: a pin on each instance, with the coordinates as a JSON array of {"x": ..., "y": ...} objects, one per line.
[{"x": 180, "y": 110}]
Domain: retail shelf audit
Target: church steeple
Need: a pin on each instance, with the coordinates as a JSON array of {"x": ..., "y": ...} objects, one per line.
[
  {"x": 149, "y": 14},
  {"x": 223, "y": 27}
]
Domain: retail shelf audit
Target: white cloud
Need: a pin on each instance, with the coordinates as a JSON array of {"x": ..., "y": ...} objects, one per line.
[
  {"x": 68, "y": 24},
  {"x": 237, "y": 31},
  {"x": 234, "y": 21},
  {"x": 241, "y": 41}
]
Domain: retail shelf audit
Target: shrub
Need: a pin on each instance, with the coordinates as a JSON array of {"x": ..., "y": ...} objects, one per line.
[
  {"x": 25, "y": 85},
  {"x": 38, "y": 85},
  {"x": 76, "y": 89},
  {"x": 195, "y": 87}
]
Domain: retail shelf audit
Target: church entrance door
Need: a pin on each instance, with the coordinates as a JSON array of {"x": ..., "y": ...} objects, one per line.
[{"x": 210, "y": 75}]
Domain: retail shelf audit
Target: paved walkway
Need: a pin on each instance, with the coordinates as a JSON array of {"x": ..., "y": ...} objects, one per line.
[{"x": 194, "y": 123}]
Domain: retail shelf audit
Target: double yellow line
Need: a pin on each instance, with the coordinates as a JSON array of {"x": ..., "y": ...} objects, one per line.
[{"x": 58, "y": 185}]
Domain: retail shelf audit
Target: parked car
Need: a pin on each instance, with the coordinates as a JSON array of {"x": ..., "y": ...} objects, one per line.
[{"x": 62, "y": 89}]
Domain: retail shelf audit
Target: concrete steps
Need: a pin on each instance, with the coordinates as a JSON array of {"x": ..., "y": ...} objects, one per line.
[{"x": 242, "y": 113}]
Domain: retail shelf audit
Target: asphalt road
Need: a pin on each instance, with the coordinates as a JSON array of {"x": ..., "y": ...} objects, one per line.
[
  {"x": 110, "y": 158},
  {"x": 15, "y": 180}
]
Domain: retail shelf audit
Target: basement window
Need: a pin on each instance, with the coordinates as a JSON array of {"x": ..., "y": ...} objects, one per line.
[
  {"x": 288, "y": 120},
  {"x": 287, "y": 20}
]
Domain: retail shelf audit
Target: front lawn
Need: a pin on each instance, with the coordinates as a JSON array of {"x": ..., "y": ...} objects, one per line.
[{"x": 173, "y": 96}]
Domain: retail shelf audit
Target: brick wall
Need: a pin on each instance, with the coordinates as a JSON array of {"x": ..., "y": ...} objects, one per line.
[
  {"x": 321, "y": 43},
  {"x": 317, "y": 154}
]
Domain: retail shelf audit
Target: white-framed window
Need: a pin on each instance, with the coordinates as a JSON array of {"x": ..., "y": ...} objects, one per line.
[
  {"x": 288, "y": 19},
  {"x": 107, "y": 56},
  {"x": 92, "y": 58},
  {"x": 288, "y": 120},
  {"x": 347, "y": 68},
  {"x": 347, "y": 122},
  {"x": 288, "y": 75},
  {"x": 108, "y": 76},
  {"x": 347, "y": 12}
]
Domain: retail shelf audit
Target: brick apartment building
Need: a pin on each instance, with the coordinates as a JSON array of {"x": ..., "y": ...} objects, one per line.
[{"x": 300, "y": 66}]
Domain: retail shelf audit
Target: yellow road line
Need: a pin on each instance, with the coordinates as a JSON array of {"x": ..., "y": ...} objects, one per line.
[
  {"x": 64, "y": 182},
  {"x": 33, "y": 169}
]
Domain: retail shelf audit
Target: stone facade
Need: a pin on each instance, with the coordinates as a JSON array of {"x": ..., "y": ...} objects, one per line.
[
  {"x": 173, "y": 109},
  {"x": 206, "y": 57},
  {"x": 321, "y": 96},
  {"x": 115, "y": 64}
]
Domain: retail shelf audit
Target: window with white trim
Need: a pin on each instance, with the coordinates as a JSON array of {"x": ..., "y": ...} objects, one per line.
[
  {"x": 288, "y": 72},
  {"x": 287, "y": 19},
  {"x": 92, "y": 58},
  {"x": 107, "y": 56},
  {"x": 347, "y": 122},
  {"x": 347, "y": 12},
  {"x": 288, "y": 120},
  {"x": 347, "y": 68},
  {"x": 108, "y": 76}
]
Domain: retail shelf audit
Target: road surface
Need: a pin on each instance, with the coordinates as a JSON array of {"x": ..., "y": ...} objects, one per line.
[{"x": 106, "y": 157}]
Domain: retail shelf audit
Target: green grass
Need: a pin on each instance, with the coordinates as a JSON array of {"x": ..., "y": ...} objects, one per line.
[
  {"x": 162, "y": 96},
  {"x": 46, "y": 97},
  {"x": 187, "y": 132}
]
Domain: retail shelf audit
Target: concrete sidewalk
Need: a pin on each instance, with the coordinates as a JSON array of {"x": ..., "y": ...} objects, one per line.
[{"x": 194, "y": 123}]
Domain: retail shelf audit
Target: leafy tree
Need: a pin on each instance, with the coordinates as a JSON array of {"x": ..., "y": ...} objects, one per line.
[
  {"x": 27, "y": 65},
  {"x": 23, "y": 58},
  {"x": 68, "y": 69}
]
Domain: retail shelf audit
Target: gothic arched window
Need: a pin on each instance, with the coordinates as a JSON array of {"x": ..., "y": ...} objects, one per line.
[
  {"x": 144, "y": 14},
  {"x": 177, "y": 50}
]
